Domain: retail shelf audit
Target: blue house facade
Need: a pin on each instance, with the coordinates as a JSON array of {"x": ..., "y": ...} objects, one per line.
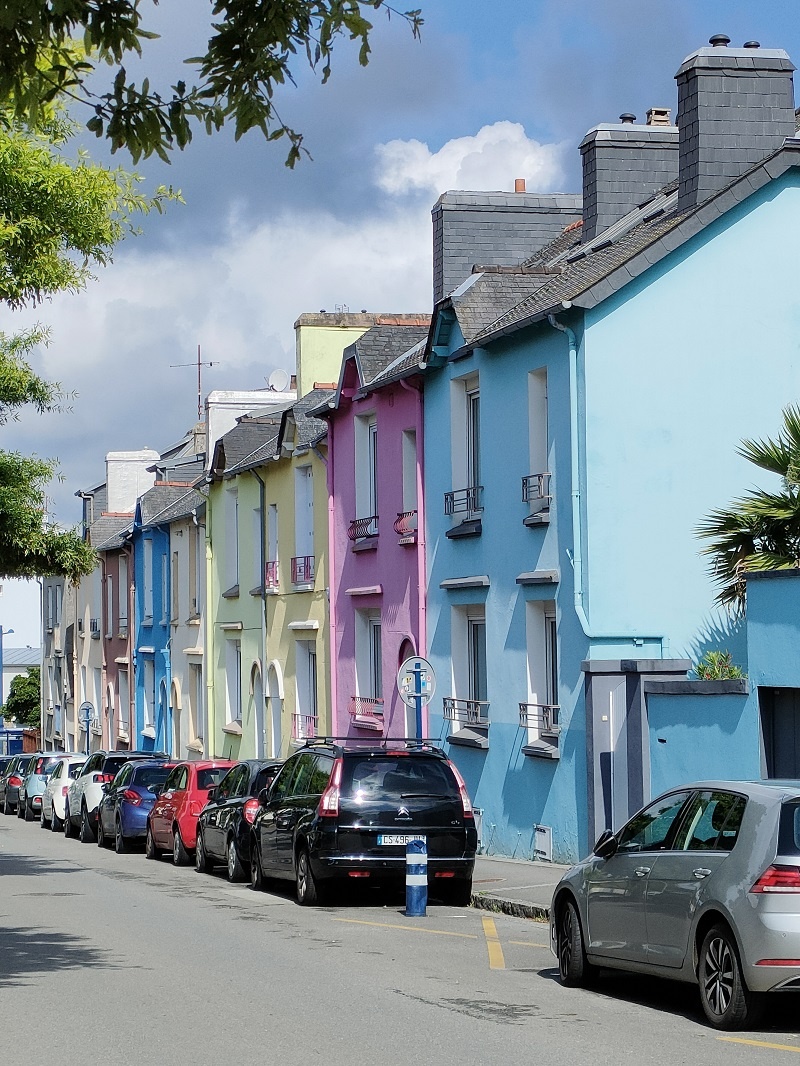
[{"x": 582, "y": 413}]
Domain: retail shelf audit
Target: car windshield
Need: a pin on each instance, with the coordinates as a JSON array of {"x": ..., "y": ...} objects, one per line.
[
  {"x": 210, "y": 776},
  {"x": 789, "y": 829},
  {"x": 46, "y": 766},
  {"x": 397, "y": 778},
  {"x": 145, "y": 776}
]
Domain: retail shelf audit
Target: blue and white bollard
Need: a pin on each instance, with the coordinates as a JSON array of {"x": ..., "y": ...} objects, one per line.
[{"x": 416, "y": 879}]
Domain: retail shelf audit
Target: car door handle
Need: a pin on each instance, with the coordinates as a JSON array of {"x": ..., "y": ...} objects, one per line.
[
  {"x": 700, "y": 873},
  {"x": 642, "y": 871}
]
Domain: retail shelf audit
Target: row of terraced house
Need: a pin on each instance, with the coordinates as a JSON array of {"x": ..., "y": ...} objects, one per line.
[{"x": 508, "y": 484}]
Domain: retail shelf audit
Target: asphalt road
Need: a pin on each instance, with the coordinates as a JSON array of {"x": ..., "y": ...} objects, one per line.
[{"x": 111, "y": 958}]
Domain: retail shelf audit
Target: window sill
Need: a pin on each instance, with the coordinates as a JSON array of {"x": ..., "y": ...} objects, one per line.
[
  {"x": 541, "y": 749},
  {"x": 365, "y": 544},
  {"x": 195, "y": 745},
  {"x": 473, "y": 736},
  {"x": 257, "y": 591},
  {"x": 307, "y": 587},
  {"x": 541, "y": 518},
  {"x": 233, "y": 728},
  {"x": 371, "y": 722},
  {"x": 193, "y": 620},
  {"x": 470, "y": 527},
  {"x": 232, "y": 593},
  {"x": 123, "y": 734},
  {"x": 149, "y": 731}
]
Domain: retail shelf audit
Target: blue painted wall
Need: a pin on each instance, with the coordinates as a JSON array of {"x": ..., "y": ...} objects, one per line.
[{"x": 153, "y": 633}]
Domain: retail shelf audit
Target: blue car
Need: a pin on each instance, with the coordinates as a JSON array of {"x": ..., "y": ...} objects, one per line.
[{"x": 126, "y": 802}]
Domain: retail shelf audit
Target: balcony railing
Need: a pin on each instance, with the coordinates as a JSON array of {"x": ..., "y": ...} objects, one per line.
[
  {"x": 94, "y": 627},
  {"x": 405, "y": 526},
  {"x": 271, "y": 574},
  {"x": 468, "y": 712},
  {"x": 536, "y": 491},
  {"x": 366, "y": 712},
  {"x": 304, "y": 726},
  {"x": 463, "y": 500},
  {"x": 302, "y": 569},
  {"x": 361, "y": 528},
  {"x": 540, "y": 716}
]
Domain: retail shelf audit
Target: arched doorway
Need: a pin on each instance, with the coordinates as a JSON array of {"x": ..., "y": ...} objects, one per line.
[
  {"x": 178, "y": 746},
  {"x": 275, "y": 688},
  {"x": 257, "y": 689}
]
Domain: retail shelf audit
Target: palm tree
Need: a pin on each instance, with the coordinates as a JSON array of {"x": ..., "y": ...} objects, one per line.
[{"x": 761, "y": 530}]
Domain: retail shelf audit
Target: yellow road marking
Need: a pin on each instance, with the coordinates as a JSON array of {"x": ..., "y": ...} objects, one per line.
[
  {"x": 408, "y": 928},
  {"x": 760, "y": 1043},
  {"x": 528, "y": 944},
  {"x": 493, "y": 946}
]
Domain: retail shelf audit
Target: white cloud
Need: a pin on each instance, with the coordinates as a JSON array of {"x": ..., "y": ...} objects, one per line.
[{"x": 491, "y": 159}]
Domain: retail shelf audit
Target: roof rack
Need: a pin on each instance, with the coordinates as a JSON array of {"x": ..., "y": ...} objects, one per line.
[{"x": 425, "y": 743}]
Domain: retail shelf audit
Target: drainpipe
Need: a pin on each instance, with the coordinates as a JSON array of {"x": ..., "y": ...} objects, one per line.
[
  {"x": 577, "y": 477},
  {"x": 333, "y": 585},
  {"x": 262, "y": 521},
  {"x": 422, "y": 618}
]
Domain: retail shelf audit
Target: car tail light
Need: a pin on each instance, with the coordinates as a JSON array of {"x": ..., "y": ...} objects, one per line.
[
  {"x": 250, "y": 810},
  {"x": 778, "y": 879},
  {"x": 466, "y": 802},
  {"x": 132, "y": 797},
  {"x": 778, "y": 962},
  {"x": 329, "y": 800},
  {"x": 15, "y": 781},
  {"x": 101, "y": 779},
  {"x": 358, "y": 873},
  {"x": 445, "y": 873}
]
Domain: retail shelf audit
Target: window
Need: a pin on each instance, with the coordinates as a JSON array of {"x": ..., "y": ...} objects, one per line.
[
  {"x": 473, "y": 435},
  {"x": 465, "y": 501},
  {"x": 233, "y": 680},
  {"x": 58, "y": 599},
  {"x": 196, "y": 701},
  {"x": 195, "y": 563},
  {"x": 148, "y": 692},
  {"x": 97, "y": 681},
  {"x": 366, "y": 472},
  {"x": 304, "y": 521},
  {"x": 711, "y": 822},
  {"x": 369, "y": 653},
  {"x": 468, "y": 705},
  {"x": 305, "y": 724},
  {"x": 540, "y": 710},
  {"x": 476, "y": 629},
  {"x": 123, "y": 594},
  {"x": 257, "y": 578},
  {"x": 409, "y": 460},
  {"x": 231, "y": 556},
  {"x": 272, "y": 579},
  {"x": 164, "y": 588},
  {"x": 780, "y": 731},
  {"x": 175, "y": 596},
  {"x": 109, "y": 606},
  {"x": 536, "y": 485},
  {"x": 124, "y": 700},
  {"x": 651, "y": 829},
  {"x": 147, "y": 566}
]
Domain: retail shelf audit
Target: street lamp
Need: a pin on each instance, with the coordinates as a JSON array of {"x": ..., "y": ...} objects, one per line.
[{"x": 3, "y": 633}]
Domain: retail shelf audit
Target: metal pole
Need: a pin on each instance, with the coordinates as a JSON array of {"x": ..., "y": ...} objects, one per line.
[
  {"x": 418, "y": 698},
  {"x": 416, "y": 879}
]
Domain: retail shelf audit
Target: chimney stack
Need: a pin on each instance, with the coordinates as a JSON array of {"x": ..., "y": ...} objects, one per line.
[
  {"x": 519, "y": 185},
  {"x": 623, "y": 165},
  {"x": 735, "y": 107}
]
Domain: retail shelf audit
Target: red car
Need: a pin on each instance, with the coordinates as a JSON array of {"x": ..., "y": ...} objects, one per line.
[{"x": 172, "y": 823}]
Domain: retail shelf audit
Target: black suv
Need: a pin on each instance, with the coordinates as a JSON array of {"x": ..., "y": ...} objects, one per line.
[
  {"x": 224, "y": 825},
  {"x": 338, "y": 811}
]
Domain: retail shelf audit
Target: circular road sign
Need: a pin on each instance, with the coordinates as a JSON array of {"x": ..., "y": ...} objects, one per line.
[{"x": 416, "y": 680}]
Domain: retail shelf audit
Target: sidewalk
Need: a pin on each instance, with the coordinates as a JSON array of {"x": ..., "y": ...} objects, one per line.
[{"x": 515, "y": 886}]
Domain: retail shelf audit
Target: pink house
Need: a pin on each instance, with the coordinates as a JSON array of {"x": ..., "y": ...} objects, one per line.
[{"x": 376, "y": 526}]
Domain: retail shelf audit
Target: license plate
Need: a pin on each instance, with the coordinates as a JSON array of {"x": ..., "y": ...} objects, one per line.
[{"x": 398, "y": 838}]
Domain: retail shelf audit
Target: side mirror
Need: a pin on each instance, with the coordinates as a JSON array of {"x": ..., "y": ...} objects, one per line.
[
  {"x": 155, "y": 789},
  {"x": 212, "y": 793},
  {"x": 263, "y": 797},
  {"x": 606, "y": 845}
]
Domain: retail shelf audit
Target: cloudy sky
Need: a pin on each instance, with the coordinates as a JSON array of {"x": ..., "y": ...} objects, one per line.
[{"x": 495, "y": 90}]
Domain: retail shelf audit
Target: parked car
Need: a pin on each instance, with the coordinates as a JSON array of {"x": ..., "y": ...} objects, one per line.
[
  {"x": 33, "y": 785},
  {"x": 12, "y": 782},
  {"x": 337, "y": 812},
  {"x": 172, "y": 823},
  {"x": 225, "y": 823},
  {"x": 86, "y": 791},
  {"x": 702, "y": 886},
  {"x": 4, "y": 761},
  {"x": 54, "y": 797},
  {"x": 127, "y": 801}
]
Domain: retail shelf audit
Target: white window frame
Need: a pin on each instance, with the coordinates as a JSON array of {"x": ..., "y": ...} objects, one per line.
[
  {"x": 304, "y": 512},
  {"x": 123, "y": 686},
  {"x": 147, "y": 574},
  {"x": 542, "y": 646},
  {"x": 109, "y": 606},
  {"x": 255, "y": 520},
  {"x": 538, "y": 449},
  {"x": 233, "y": 680},
  {"x": 164, "y": 588},
  {"x": 196, "y": 694},
  {"x": 231, "y": 537},
  {"x": 307, "y": 687},
  {"x": 465, "y": 440},
  {"x": 122, "y": 623},
  {"x": 409, "y": 466},
  {"x": 366, "y": 468},
  {"x": 175, "y": 594}
]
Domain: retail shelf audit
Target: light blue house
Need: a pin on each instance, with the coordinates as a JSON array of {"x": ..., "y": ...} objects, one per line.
[{"x": 582, "y": 414}]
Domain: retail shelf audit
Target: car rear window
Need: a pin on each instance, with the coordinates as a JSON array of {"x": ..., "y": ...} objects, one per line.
[
  {"x": 397, "y": 778},
  {"x": 112, "y": 764},
  {"x": 46, "y": 766},
  {"x": 209, "y": 777},
  {"x": 145, "y": 776},
  {"x": 789, "y": 829}
]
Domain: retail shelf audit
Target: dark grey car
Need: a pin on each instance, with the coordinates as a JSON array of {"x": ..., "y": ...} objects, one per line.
[{"x": 703, "y": 886}]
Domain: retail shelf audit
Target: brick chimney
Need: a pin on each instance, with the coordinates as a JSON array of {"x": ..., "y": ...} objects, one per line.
[
  {"x": 735, "y": 107},
  {"x": 623, "y": 165}
]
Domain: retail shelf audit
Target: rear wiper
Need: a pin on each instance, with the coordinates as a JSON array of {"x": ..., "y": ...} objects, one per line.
[{"x": 418, "y": 795}]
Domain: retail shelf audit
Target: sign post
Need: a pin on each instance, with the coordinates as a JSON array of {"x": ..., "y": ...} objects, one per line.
[
  {"x": 416, "y": 683},
  {"x": 85, "y": 715}
]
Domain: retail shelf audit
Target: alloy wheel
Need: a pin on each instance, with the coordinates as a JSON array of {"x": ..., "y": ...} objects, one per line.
[
  {"x": 566, "y": 933},
  {"x": 719, "y": 975}
]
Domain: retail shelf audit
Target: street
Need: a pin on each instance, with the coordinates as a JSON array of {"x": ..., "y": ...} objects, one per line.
[{"x": 110, "y": 957}]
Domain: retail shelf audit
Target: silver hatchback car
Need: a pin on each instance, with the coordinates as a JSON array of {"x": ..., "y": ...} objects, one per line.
[{"x": 703, "y": 886}]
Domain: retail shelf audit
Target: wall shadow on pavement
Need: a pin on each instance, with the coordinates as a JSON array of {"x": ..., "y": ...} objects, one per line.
[
  {"x": 13, "y": 865},
  {"x": 28, "y": 953}
]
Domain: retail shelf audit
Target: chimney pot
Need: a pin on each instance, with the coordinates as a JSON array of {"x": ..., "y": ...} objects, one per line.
[
  {"x": 719, "y": 40},
  {"x": 519, "y": 185},
  {"x": 627, "y": 118},
  {"x": 752, "y": 44},
  {"x": 658, "y": 116}
]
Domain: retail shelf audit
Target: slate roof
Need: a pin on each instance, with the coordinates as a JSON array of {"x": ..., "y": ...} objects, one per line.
[
  {"x": 107, "y": 532},
  {"x": 21, "y": 657},
  {"x": 249, "y": 443},
  {"x": 380, "y": 346},
  {"x": 159, "y": 501},
  {"x": 308, "y": 429}
]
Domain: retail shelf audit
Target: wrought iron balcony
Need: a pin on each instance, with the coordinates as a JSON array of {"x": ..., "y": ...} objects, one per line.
[
  {"x": 536, "y": 491},
  {"x": 304, "y": 726},
  {"x": 540, "y": 716},
  {"x": 271, "y": 574},
  {"x": 468, "y": 712},
  {"x": 405, "y": 526},
  {"x": 463, "y": 501},
  {"x": 302, "y": 569},
  {"x": 361, "y": 528},
  {"x": 366, "y": 712}
]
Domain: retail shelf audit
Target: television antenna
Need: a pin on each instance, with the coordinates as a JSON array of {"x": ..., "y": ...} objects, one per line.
[{"x": 199, "y": 364}]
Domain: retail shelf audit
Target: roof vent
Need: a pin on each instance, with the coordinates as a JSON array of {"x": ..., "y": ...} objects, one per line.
[
  {"x": 627, "y": 119},
  {"x": 659, "y": 116},
  {"x": 519, "y": 185},
  {"x": 719, "y": 40},
  {"x": 752, "y": 44}
]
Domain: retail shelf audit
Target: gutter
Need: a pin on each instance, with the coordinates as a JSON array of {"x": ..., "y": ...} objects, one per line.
[{"x": 262, "y": 499}]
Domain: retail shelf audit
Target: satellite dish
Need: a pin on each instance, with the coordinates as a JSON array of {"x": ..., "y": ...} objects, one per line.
[{"x": 278, "y": 380}]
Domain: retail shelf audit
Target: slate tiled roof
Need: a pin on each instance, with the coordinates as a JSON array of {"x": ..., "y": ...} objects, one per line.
[
  {"x": 21, "y": 657},
  {"x": 408, "y": 362},
  {"x": 270, "y": 437},
  {"x": 161, "y": 499},
  {"x": 107, "y": 532},
  {"x": 309, "y": 430},
  {"x": 381, "y": 345},
  {"x": 249, "y": 443}
]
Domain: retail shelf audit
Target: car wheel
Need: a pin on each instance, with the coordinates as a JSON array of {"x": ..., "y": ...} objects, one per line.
[
  {"x": 457, "y": 893},
  {"x": 202, "y": 863},
  {"x": 67, "y": 822},
  {"x": 85, "y": 833},
  {"x": 573, "y": 969},
  {"x": 256, "y": 873},
  {"x": 150, "y": 849},
  {"x": 180, "y": 856},
  {"x": 101, "y": 836},
  {"x": 42, "y": 822},
  {"x": 20, "y": 808},
  {"x": 307, "y": 890},
  {"x": 29, "y": 811},
  {"x": 727, "y": 1001},
  {"x": 6, "y": 806},
  {"x": 55, "y": 822},
  {"x": 235, "y": 868},
  {"x": 120, "y": 844}
]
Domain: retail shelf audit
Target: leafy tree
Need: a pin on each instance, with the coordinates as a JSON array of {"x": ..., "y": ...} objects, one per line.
[
  {"x": 59, "y": 218},
  {"x": 24, "y": 700},
  {"x": 761, "y": 530},
  {"x": 249, "y": 56}
]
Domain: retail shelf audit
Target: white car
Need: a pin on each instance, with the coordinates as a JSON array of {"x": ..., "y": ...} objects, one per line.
[
  {"x": 54, "y": 796},
  {"x": 86, "y": 791}
]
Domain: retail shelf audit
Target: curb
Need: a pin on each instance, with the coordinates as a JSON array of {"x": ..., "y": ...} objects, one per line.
[{"x": 514, "y": 907}]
